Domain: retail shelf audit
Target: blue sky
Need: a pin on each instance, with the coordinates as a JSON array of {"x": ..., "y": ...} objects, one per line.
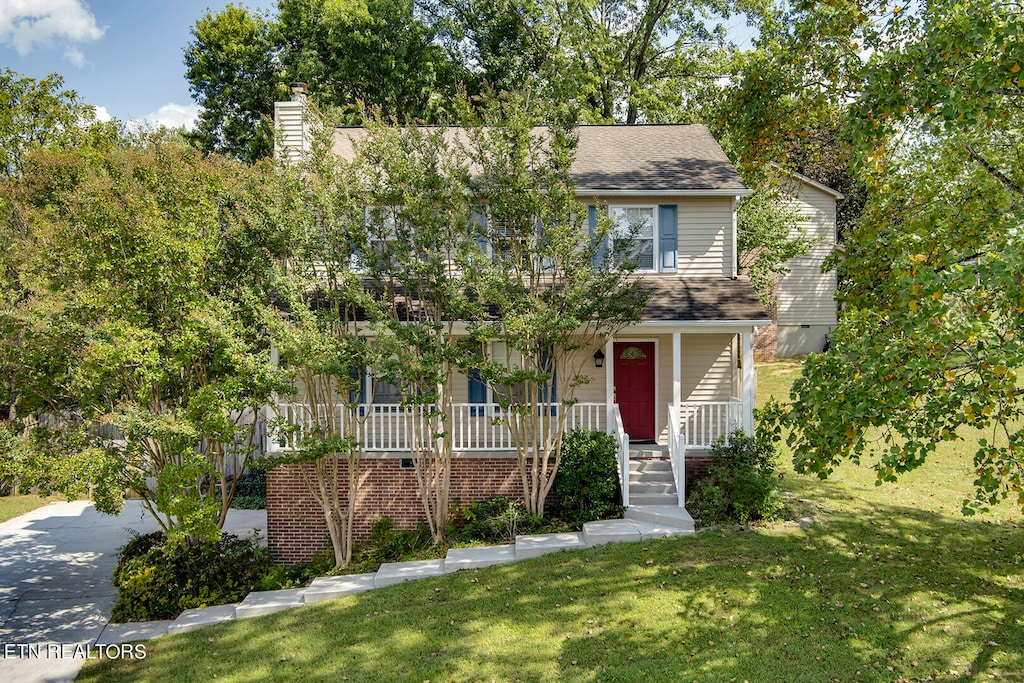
[{"x": 123, "y": 56}]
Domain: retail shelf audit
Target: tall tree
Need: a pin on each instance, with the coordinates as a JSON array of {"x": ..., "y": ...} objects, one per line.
[
  {"x": 233, "y": 76},
  {"x": 145, "y": 280},
  {"x": 418, "y": 228},
  {"x": 36, "y": 113},
  {"x": 929, "y": 340},
  {"x": 558, "y": 289},
  {"x": 355, "y": 53}
]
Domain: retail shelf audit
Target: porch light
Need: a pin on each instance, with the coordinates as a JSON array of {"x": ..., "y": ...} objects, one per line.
[{"x": 599, "y": 358}]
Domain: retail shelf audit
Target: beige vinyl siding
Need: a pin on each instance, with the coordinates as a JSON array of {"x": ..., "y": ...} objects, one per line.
[
  {"x": 292, "y": 138},
  {"x": 705, "y": 236},
  {"x": 806, "y": 296},
  {"x": 708, "y": 367}
]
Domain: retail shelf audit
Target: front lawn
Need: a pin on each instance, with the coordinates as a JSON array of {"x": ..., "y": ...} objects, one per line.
[
  {"x": 889, "y": 584},
  {"x": 12, "y": 506}
]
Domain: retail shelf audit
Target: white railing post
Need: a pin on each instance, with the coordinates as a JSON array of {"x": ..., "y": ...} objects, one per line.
[
  {"x": 677, "y": 452},
  {"x": 622, "y": 439}
]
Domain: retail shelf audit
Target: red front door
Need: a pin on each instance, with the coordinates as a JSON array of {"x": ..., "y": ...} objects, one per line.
[{"x": 634, "y": 388}]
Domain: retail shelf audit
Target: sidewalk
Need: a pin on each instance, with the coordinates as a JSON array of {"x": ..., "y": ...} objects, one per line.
[{"x": 56, "y": 564}]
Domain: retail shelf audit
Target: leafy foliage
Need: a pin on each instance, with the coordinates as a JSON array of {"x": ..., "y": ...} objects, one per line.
[
  {"x": 587, "y": 483},
  {"x": 929, "y": 340},
  {"x": 494, "y": 520},
  {"x": 741, "y": 485},
  {"x": 159, "y": 578}
]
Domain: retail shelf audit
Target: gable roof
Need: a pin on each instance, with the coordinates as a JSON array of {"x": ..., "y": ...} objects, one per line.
[
  {"x": 631, "y": 160},
  {"x": 658, "y": 158}
]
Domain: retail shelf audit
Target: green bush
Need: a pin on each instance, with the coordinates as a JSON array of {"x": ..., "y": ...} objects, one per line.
[
  {"x": 158, "y": 579},
  {"x": 742, "y": 485},
  {"x": 251, "y": 490},
  {"x": 494, "y": 520},
  {"x": 587, "y": 483}
]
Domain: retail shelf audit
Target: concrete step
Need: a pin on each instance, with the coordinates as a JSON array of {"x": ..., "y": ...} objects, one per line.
[
  {"x": 650, "y": 465},
  {"x": 665, "y": 515},
  {"x": 652, "y": 498},
  {"x": 651, "y": 478},
  {"x": 647, "y": 452},
  {"x": 645, "y": 487}
]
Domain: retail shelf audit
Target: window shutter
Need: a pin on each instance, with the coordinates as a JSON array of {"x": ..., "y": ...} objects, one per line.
[
  {"x": 602, "y": 249},
  {"x": 547, "y": 364},
  {"x": 477, "y": 392},
  {"x": 668, "y": 229},
  {"x": 479, "y": 229}
]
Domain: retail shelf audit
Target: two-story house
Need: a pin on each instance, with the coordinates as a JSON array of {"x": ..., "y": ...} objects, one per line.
[{"x": 667, "y": 386}]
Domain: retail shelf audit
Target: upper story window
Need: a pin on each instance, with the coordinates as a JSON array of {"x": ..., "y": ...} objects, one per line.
[{"x": 635, "y": 234}]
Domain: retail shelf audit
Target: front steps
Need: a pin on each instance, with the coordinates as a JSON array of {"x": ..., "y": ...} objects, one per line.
[{"x": 652, "y": 490}]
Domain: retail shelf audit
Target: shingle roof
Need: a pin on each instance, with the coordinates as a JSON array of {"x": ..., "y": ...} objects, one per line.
[
  {"x": 638, "y": 158},
  {"x": 705, "y": 299},
  {"x": 635, "y": 159}
]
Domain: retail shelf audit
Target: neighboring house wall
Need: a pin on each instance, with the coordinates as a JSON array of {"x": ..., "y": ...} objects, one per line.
[{"x": 805, "y": 307}]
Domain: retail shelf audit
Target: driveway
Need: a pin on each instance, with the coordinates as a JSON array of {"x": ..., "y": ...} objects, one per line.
[{"x": 56, "y": 564}]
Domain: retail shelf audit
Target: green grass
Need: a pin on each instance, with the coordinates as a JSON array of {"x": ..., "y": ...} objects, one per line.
[
  {"x": 891, "y": 583},
  {"x": 12, "y": 506}
]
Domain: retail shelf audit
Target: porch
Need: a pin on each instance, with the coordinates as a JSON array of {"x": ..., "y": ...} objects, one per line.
[{"x": 478, "y": 429}]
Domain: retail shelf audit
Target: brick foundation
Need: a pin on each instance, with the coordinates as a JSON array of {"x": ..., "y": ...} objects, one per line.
[
  {"x": 696, "y": 469},
  {"x": 295, "y": 527},
  {"x": 766, "y": 345}
]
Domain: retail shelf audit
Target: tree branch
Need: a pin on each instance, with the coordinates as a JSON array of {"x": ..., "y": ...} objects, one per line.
[{"x": 992, "y": 170}]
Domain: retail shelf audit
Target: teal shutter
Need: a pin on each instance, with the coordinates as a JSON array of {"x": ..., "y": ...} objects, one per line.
[
  {"x": 477, "y": 393},
  {"x": 601, "y": 255},
  {"x": 479, "y": 228},
  {"x": 668, "y": 232},
  {"x": 547, "y": 365}
]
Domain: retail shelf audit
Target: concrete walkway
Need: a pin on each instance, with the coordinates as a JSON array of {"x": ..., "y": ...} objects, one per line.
[
  {"x": 56, "y": 564},
  {"x": 672, "y": 522}
]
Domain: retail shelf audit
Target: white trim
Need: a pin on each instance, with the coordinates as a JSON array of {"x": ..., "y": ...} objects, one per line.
[
  {"x": 655, "y": 234},
  {"x": 735, "y": 243},
  {"x": 677, "y": 367},
  {"x": 598, "y": 192},
  {"x": 804, "y": 179}
]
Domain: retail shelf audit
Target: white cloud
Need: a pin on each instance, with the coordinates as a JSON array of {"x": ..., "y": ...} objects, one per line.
[
  {"x": 28, "y": 24},
  {"x": 102, "y": 115},
  {"x": 171, "y": 115}
]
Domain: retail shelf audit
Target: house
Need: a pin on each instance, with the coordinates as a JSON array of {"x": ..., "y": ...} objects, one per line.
[
  {"x": 666, "y": 387},
  {"x": 804, "y": 312}
]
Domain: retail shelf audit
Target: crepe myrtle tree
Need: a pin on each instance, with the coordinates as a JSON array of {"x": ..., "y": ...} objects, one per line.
[
  {"x": 145, "y": 285},
  {"x": 325, "y": 330},
  {"x": 418, "y": 255},
  {"x": 557, "y": 284}
]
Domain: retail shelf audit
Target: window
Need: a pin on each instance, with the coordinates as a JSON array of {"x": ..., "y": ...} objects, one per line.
[
  {"x": 381, "y": 227},
  {"x": 634, "y": 235}
]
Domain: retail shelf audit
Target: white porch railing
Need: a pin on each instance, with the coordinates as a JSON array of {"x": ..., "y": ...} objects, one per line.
[
  {"x": 622, "y": 439},
  {"x": 677, "y": 452},
  {"x": 700, "y": 422},
  {"x": 385, "y": 427}
]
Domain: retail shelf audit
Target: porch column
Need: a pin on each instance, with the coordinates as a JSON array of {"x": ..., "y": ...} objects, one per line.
[
  {"x": 677, "y": 369},
  {"x": 609, "y": 379},
  {"x": 749, "y": 380}
]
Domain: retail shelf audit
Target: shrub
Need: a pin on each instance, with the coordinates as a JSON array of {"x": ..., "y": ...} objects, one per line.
[
  {"x": 587, "y": 483},
  {"x": 495, "y": 520},
  {"x": 158, "y": 579},
  {"x": 251, "y": 491},
  {"x": 742, "y": 485}
]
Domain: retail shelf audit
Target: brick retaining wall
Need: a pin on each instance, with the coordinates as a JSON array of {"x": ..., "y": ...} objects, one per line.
[{"x": 295, "y": 527}]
